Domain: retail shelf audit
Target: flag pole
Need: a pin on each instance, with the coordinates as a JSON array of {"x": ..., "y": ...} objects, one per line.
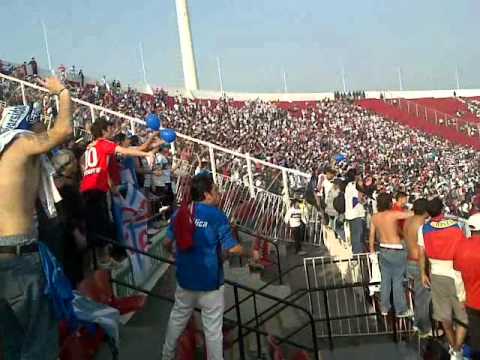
[
  {"x": 220, "y": 78},
  {"x": 143, "y": 63},
  {"x": 344, "y": 82},
  {"x": 457, "y": 78},
  {"x": 400, "y": 80},
  {"x": 285, "y": 88},
  {"x": 45, "y": 38}
]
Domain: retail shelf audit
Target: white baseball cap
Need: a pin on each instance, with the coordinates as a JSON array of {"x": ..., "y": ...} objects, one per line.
[{"x": 474, "y": 222}]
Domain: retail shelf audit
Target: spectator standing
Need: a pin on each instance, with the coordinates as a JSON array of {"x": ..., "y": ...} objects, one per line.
[
  {"x": 96, "y": 184},
  {"x": 34, "y": 66},
  {"x": 296, "y": 221},
  {"x": 438, "y": 240},
  {"x": 327, "y": 185},
  {"x": 199, "y": 268},
  {"x": 71, "y": 213},
  {"x": 422, "y": 295},
  {"x": 467, "y": 261},
  {"x": 61, "y": 71},
  {"x": 355, "y": 212},
  {"x": 392, "y": 255},
  {"x": 24, "y": 69},
  {"x": 81, "y": 78},
  {"x": 27, "y": 327}
]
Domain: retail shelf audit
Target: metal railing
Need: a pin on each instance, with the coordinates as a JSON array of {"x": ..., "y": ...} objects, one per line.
[
  {"x": 215, "y": 152},
  {"x": 349, "y": 296},
  {"x": 435, "y": 116},
  {"x": 262, "y": 215},
  {"x": 255, "y": 295}
]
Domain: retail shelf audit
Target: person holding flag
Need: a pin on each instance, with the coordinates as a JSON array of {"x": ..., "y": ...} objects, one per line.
[{"x": 96, "y": 184}]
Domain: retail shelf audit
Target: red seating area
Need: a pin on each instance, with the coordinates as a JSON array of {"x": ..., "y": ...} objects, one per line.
[
  {"x": 393, "y": 113},
  {"x": 450, "y": 106}
]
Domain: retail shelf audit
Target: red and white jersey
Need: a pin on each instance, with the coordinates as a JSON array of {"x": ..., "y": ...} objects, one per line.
[{"x": 96, "y": 171}]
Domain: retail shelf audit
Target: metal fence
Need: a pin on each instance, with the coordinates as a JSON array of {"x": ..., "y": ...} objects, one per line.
[
  {"x": 247, "y": 166},
  {"x": 263, "y": 214},
  {"x": 348, "y": 299},
  {"x": 436, "y": 117}
]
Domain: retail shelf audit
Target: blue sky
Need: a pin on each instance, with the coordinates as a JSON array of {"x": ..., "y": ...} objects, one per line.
[{"x": 255, "y": 40}]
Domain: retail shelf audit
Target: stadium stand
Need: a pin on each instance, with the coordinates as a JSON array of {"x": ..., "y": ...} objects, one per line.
[{"x": 392, "y": 147}]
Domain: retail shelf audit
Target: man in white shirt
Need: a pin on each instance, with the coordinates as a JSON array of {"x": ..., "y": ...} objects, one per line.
[
  {"x": 327, "y": 187},
  {"x": 296, "y": 220},
  {"x": 355, "y": 212},
  {"x": 327, "y": 183}
]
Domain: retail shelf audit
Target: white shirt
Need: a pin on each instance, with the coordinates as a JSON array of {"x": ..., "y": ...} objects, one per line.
[
  {"x": 353, "y": 212},
  {"x": 294, "y": 217},
  {"x": 161, "y": 163},
  {"x": 327, "y": 185}
]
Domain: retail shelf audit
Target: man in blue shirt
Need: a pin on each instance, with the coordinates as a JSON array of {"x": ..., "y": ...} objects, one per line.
[{"x": 200, "y": 270}]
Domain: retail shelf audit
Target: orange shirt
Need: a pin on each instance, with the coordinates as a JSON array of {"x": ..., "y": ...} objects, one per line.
[{"x": 467, "y": 260}]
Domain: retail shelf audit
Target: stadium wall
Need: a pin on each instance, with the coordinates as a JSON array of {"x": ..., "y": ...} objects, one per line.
[
  {"x": 376, "y": 94},
  {"x": 242, "y": 96}
]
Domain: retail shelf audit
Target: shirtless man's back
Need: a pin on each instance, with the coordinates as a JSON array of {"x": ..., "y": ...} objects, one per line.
[
  {"x": 29, "y": 324},
  {"x": 392, "y": 255},
  {"x": 385, "y": 224}
]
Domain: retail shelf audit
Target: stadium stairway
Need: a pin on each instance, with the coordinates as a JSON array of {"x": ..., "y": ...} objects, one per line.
[
  {"x": 143, "y": 335},
  {"x": 391, "y": 112}
]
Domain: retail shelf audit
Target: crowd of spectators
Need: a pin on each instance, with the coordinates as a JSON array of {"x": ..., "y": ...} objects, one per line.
[
  {"x": 474, "y": 107},
  {"x": 369, "y": 154},
  {"x": 304, "y": 138}
]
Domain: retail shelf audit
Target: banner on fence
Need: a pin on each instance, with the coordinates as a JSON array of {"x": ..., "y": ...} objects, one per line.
[{"x": 131, "y": 217}]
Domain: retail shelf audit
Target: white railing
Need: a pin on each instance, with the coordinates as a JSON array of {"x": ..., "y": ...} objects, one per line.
[
  {"x": 433, "y": 116},
  {"x": 213, "y": 149}
]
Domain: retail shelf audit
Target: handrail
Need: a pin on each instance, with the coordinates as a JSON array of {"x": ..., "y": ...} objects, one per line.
[
  {"x": 444, "y": 115},
  {"x": 236, "y": 286},
  {"x": 180, "y": 135}
]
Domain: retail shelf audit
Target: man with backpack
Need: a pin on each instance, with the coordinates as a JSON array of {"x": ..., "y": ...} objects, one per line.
[{"x": 202, "y": 235}]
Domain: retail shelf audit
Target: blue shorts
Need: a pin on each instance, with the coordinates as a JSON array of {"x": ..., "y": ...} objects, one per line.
[{"x": 28, "y": 328}]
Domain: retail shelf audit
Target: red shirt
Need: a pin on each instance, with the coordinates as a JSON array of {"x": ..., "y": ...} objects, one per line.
[
  {"x": 97, "y": 159},
  {"x": 467, "y": 261},
  {"x": 114, "y": 171},
  {"x": 401, "y": 223}
]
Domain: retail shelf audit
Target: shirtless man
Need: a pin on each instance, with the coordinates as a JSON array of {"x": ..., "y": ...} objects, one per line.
[
  {"x": 27, "y": 325},
  {"x": 392, "y": 255},
  {"x": 422, "y": 294}
]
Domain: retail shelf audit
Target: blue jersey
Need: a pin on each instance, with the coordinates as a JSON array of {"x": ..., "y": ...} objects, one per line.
[{"x": 200, "y": 268}]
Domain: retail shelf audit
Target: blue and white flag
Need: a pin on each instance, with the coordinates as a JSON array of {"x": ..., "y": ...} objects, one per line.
[
  {"x": 131, "y": 217},
  {"x": 20, "y": 117}
]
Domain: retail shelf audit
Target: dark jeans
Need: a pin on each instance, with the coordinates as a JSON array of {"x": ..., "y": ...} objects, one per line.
[
  {"x": 298, "y": 236},
  {"x": 357, "y": 235},
  {"x": 28, "y": 328},
  {"x": 97, "y": 218},
  {"x": 422, "y": 298}
]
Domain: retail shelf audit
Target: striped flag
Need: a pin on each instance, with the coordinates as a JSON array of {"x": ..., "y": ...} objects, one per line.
[{"x": 131, "y": 217}]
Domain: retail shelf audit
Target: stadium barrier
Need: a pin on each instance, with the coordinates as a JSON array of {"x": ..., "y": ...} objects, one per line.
[{"x": 432, "y": 115}]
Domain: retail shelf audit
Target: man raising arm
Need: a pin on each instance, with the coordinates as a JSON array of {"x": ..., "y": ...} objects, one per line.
[{"x": 29, "y": 329}]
